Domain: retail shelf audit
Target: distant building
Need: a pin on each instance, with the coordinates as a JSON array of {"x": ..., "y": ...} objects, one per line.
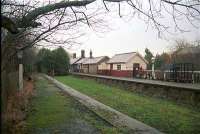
[
  {"x": 74, "y": 67},
  {"x": 123, "y": 65},
  {"x": 104, "y": 68},
  {"x": 82, "y": 68},
  {"x": 91, "y": 64},
  {"x": 126, "y": 64},
  {"x": 188, "y": 55},
  {"x": 189, "y": 50}
]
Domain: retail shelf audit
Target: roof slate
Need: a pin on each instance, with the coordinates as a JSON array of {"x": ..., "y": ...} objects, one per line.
[
  {"x": 73, "y": 60},
  {"x": 122, "y": 58},
  {"x": 82, "y": 61},
  {"x": 189, "y": 50},
  {"x": 94, "y": 60}
]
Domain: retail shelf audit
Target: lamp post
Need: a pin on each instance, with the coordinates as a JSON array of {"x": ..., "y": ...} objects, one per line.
[
  {"x": 153, "y": 71},
  {"x": 19, "y": 56}
]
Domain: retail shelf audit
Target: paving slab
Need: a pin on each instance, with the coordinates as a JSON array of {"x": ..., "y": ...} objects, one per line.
[{"x": 111, "y": 115}]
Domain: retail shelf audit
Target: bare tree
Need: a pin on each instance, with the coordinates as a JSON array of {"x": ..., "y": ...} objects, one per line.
[
  {"x": 43, "y": 24},
  {"x": 61, "y": 22},
  {"x": 32, "y": 14},
  {"x": 43, "y": 21},
  {"x": 186, "y": 52}
]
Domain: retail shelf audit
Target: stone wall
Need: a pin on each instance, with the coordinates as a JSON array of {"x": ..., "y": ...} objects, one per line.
[{"x": 176, "y": 94}]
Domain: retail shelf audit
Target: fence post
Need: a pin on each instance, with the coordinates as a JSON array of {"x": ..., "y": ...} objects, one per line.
[
  {"x": 20, "y": 76},
  {"x": 19, "y": 55},
  {"x": 193, "y": 78},
  {"x": 164, "y": 76},
  {"x": 153, "y": 69}
]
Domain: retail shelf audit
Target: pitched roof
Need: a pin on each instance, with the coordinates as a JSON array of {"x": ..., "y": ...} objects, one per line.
[
  {"x": 94, "y": 60},
  {"x": 122, "y": 58},
  {"x": 81, "y": 61},
  {"x": 73, "y": 60},
  {"x": 192, "y": 50}
]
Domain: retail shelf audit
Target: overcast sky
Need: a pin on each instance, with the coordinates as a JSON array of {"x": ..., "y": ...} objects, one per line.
[{"x": 129, "y": 35}]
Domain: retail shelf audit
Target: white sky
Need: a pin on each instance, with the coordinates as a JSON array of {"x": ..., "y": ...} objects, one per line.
[{"x": 129, "y": 36}]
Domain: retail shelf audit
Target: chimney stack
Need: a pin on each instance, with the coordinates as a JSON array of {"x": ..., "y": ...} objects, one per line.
[
  {"x": 90, "y": 53},
  {"x": 82, "y": 53},
  {"x": 74, "y": 55}
]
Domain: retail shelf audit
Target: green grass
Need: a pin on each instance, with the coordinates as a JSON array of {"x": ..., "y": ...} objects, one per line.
[
  {"x": 164, "y": 115},
  {"x": 53, "y": 111}
]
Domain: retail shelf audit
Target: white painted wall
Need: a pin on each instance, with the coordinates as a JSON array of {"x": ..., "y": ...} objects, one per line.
[
  {"x": 123, "y": 66},
  {"x": 136, "y": 59},
  {"x": 129, "y": 65},
  {"x": 104, "y": 66}
]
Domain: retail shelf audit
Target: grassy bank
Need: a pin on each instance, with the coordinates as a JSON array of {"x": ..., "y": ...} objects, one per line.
[
  {"x": 164, "y": 115},
  {"x": 52, "y": 111}
]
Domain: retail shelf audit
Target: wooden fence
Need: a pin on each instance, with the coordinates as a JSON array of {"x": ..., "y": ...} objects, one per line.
[{"x": 186, "y": 76}]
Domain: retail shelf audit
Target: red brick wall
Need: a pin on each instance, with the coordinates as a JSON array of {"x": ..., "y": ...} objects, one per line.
[
  {"x": 103, "y": 72},
  {"x": 122, "y": 73},
  {"x": 117, "y": 73}
]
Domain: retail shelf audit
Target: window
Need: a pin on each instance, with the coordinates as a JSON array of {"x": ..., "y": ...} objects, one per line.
[
  {"x": 119, "y": 67},
  {"x": 136, "y": 66}
]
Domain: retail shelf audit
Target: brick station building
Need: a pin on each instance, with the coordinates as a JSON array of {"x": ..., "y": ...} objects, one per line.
[
  {"x": 87, "y": 64},
  {"x": 123, "y": 65}
]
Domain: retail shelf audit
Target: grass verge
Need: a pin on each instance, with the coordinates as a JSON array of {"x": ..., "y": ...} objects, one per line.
[
  {"x": 164, "y": 115},
  {"x": 53, "y": 111}
]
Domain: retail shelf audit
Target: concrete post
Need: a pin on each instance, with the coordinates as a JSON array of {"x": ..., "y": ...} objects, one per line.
[
  {"x": 193, "y": 78},
  {"x": 19, "y": 55},
  {"x": 153, "y": 71},
  {"x": 20, "y": 76},
  {"x": 164, "y": 76}
]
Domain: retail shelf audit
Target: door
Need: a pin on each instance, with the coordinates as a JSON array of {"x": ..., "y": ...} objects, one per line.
[
  {"x": 136, "y": 67},
  {"x": 111, "y": 68}
]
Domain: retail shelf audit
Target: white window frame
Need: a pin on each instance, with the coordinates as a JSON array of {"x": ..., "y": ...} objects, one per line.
[{"x": 120, "y": 67}]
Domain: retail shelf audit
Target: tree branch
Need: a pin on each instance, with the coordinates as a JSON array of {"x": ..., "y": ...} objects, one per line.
[
  {"x": 183, "y": 5},
  {"x": 8, "y": 24},
  {"x": 48, "y": 8}
]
